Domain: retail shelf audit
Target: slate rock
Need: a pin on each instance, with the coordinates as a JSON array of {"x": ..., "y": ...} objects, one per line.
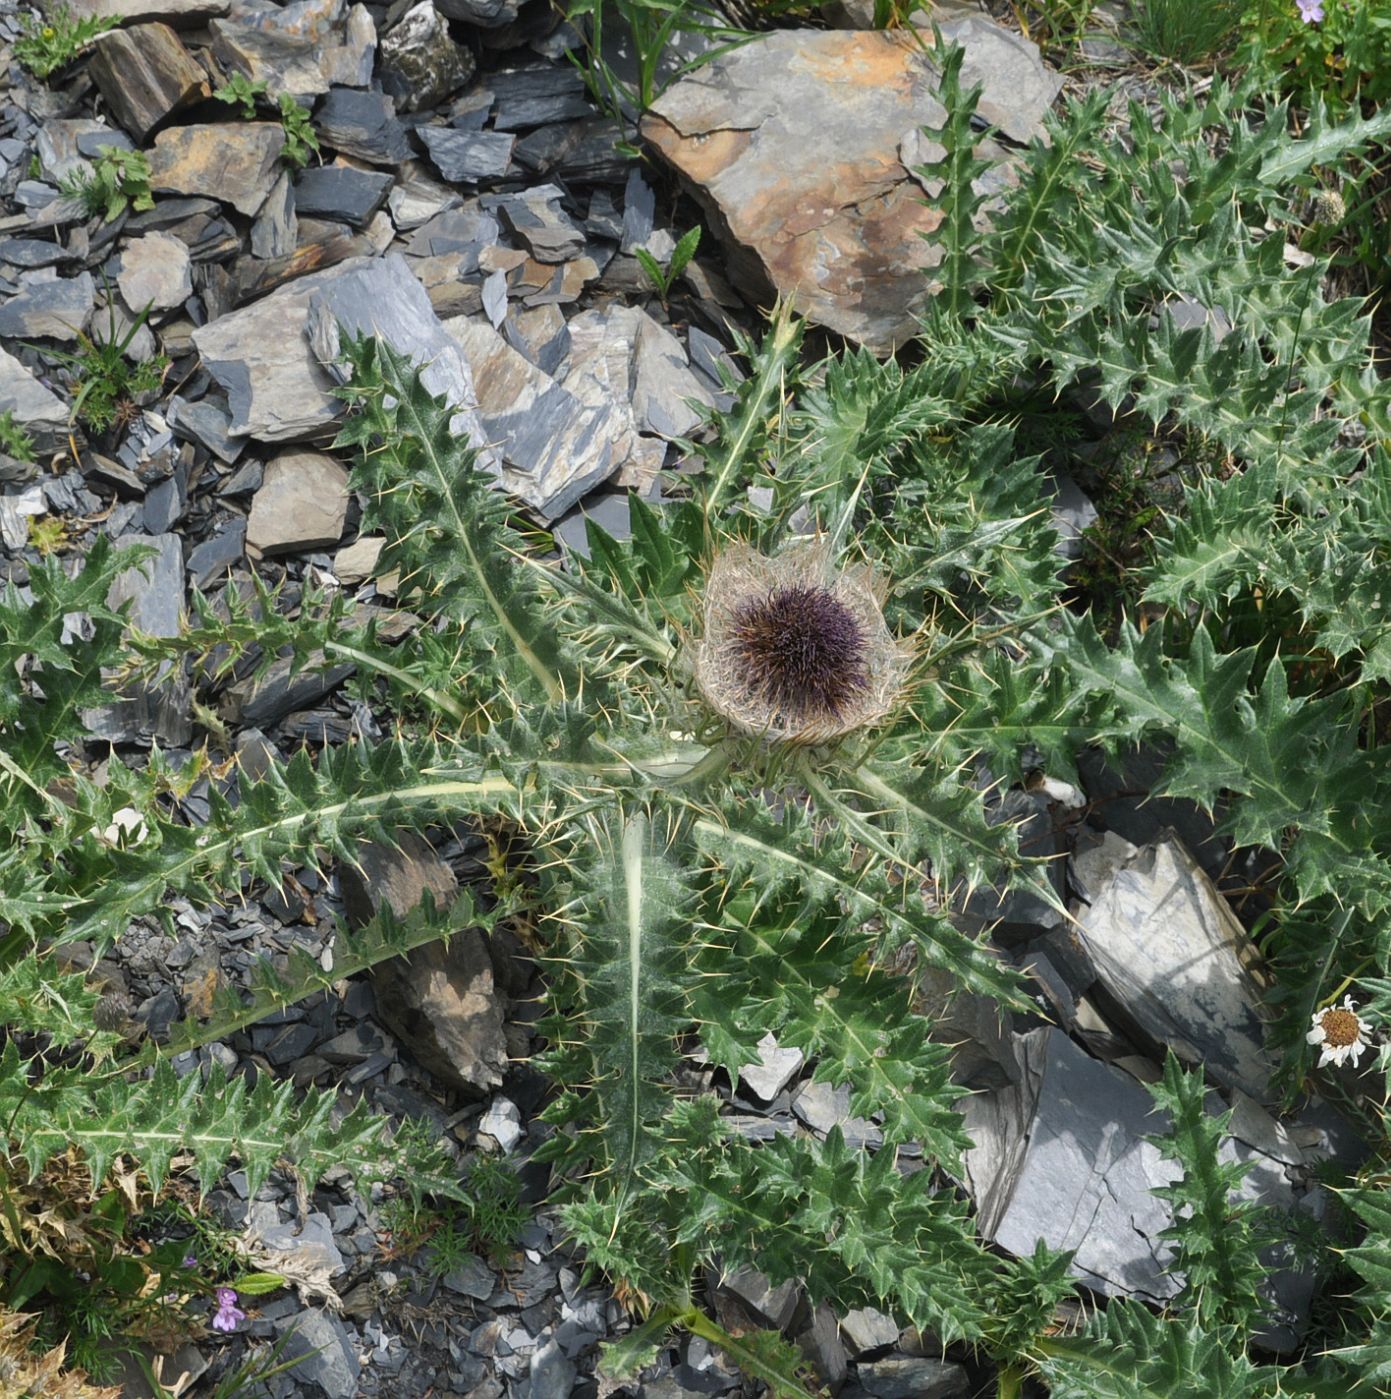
[
  {"x": 285, "y": 688},
  {"x": 821, "y": 1344},
  {"x": 537, "y": 221},
  {"x": 610, "y": 510},
  {"x": 552, "y": 1374},
  {"x": 231, "y": 161},
  {"x": 485, "y": 14},
  {"x": 180, "y": 14},
  {"x": 553, "y": 447},
  {"x": 867, "y": 1329},
  {"x": 1173, "y": 955},
  {"x": 777, "y": 1067},
  {"x": 1064, "y": 1156},
  {"x": 207, "y": 423},
  {"x": 276, "y": 387},
  {"x": 439, "y": 1000},
  {"x": 381, "y": 297},
  {"x": 155, "y": 591},
  {"x": 33, "y": 252},
  {"x": 468, "y": 156},
  {"x": 48, "y": 306},
  {"x": 310, "y": 1241},
  {"x": 58, "y": 146},
  {"x": 775, "y": 1307},
  {"x": 914, "y": 1377},
  {"x": 328, "y": 1357},
  {"x": 822, "y": 1107},
  {"x": 363, "y": 125},
  {"x": 536, "y": 95},
  {"x": 211, "y": 560},
  {"x": 302, "y": 504},
  {"x": 471, "y": 1278},
  {"x": 1017, "y": 87},
  {"x": 39, "y": 411},
  {"x": 276, "y": 230},
  {"x": 155, "y": 271},
  {"x": 341, "y": 192},
  {"x": 663, "y": 384},
  {"x": 835, "y": 222},
  {"x": 145, "y": 74},
  {"x": 420, "y": 63},
  {"x": 503, "y": 1123}
]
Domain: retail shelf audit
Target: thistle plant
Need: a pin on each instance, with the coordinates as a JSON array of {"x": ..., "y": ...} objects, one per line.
[{"x": 754, "y": 752}]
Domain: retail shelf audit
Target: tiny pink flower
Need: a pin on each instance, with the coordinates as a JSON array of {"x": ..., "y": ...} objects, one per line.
[
  {"x": 228, "y": 1314},
  {"x": 1310, "y": 11}
]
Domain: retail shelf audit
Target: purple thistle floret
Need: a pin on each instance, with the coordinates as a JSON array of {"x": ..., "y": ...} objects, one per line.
[
  {"x": 1310, "y": 11},
  {"x": 802, "y": 651},
  {"x": 228, "y": 1314}
]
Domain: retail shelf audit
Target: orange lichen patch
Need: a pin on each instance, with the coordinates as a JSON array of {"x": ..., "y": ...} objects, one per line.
[{"x": 872, "y": 59}]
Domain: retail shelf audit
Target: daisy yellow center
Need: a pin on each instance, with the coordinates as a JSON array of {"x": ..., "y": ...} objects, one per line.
[{"x": 1339, "y": 1028}]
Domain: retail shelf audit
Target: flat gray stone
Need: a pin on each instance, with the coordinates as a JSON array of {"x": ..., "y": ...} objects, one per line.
[
  {"x": 302, "y": 504},
  {"x": 1168, "y": 948},
  {"x": 537, "y": 95},
  {"x": 1018, "y": 88},
  {"x": 776, "y": 1068},
  {"x": 155, "y": 591},
  {"x": 381, "y": 297},
  {"x": 311, "y": 1243},
  {"x": 179, "y": 13},
  {"x": 276, "y": 230},
  {"x": 467, "y": 157},
  {"x": 207, "y": 423},
  {"x": 536, "y": 219},
  {"x": 1065, "y": 1156},
  {"x": 822, "y": 1107},
  {"x": 363, "y": 125},
  {"x": 235, "y": 162},
  {"x": 33, "y": 252},
  {"x": 485, "y": 14},
  {"x": 59, "y": 149},
  {"x": 341, "y": 193},
  {"x": 48, "y": 306},
  {"x": 38, "y": 410},
  {"x": 552, "y": 1373},
  {"x": 275, "y": 386},
  {"x": 868, "y": 1329},
  {"x": 329, "y": 1359},
  {"x": 471, "y": 1278},
  {"x": 554, "y": 448},
  {"x": 664, "y": 384},
  {"x": 914, "y": 1377},
  {"x": 155, "y": 270}
]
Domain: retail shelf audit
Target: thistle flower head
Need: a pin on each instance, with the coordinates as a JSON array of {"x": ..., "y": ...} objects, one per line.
[{"x": 794, "y": 649}]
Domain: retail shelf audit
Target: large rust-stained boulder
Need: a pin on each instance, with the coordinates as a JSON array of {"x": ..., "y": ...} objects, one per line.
[{"x": 792, "y": 144}]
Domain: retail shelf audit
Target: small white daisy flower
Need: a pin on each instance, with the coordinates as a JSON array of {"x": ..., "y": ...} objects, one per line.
[{"x": 1342, "y": 1033}]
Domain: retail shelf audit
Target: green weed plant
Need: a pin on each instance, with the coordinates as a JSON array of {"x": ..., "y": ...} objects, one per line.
[{"x": 49, "y": 43}]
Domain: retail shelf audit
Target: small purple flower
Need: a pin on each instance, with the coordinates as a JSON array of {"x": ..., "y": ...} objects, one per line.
[
  {"x": 1310, "y": 11},
  {"x": 190, "y": 1260},
  {"x": 228, "y": 1314}
]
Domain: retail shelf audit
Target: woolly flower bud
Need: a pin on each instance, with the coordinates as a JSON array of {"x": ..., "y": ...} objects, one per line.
[{"x": 793, "y": 649}]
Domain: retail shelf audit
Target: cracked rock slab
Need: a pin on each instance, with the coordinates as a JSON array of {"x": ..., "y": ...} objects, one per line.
[
  {"x": 554, "y": 447},
  {"x": 1170, "y": 951},
  {"x": 1065, "y": 1156},
  {"x": 835, "y": 222},
  {"x": 276, "y": 388},
  {"x": 233, "y": 162}
]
